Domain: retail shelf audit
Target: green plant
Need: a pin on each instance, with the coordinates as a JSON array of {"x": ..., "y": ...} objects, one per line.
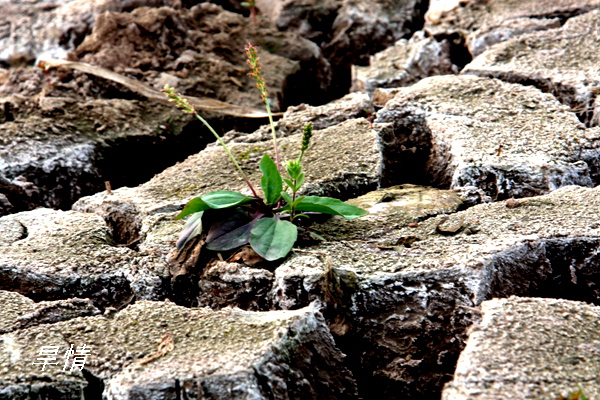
[
  {"x": 576, "y": 395},
  {"x": 267, "y": 224},
  {"x": 251, "y": 4}
]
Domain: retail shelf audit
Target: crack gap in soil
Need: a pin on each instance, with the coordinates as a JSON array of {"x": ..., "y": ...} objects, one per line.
[
  {"x": 95, "y": 386},
  {"x": 406, "y": 337},
  {"x": 562, "y": 268},
  {"x": 104, "y": 291},
  {"x": 557, "y": 268},
  {"x": 130, "y": 161},
  {"x": 584, "y": 109},
  {"x": 562, "y": 16},
  {"x": 459, "y": 52},
  {"x": 124, "y": 224},
  {"x": 71, "y": 170},
  {"x": 405, "y": 144},
  {"x": 407, "y": 344}
]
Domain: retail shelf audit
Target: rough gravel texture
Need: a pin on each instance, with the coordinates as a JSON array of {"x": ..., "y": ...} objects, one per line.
[
  {"x": 162, "y": 351},
  {"x": 50, "y": 255},
  {"x": 530, "y": 348},
  {"x": 506, "y": 139},
  {"x": 481, "y": 24},
  {"x": 561, "y": 61}
]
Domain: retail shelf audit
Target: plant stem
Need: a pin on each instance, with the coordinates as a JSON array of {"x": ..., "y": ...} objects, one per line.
[
  {"x": 292, "y": 206},
  {"x": 231, "y": 156},
  {"x": 254, "y": 63},
  {"x": 272, "y": 124},
  {"x": 182, "y": 102},
  {"x": 253, "y": 12}
]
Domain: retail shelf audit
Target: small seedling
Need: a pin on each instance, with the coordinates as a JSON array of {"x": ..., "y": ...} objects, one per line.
[
  {"x": 267, "y": 224},
  {"x": 251, "y": 4}
]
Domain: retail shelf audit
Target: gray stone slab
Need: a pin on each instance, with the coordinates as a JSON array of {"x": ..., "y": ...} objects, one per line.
[
  {"x": 61, "y": 149},
  {"x": 347, "y": 31},
  {"x": 20, "y": 312},
  {"x": 561, "y": 61},
  {"x": 404, "y": 63},
  {"x": 506, "y": 139},
  {"x": 160, "y": 350},
  {"x": 351, "y": 106},
  {"x": 530, "y": 348},
  {"x": 482, "y": 24},
  {"x": 408, "y": 284},
  {"x": 48, "y": 255}
]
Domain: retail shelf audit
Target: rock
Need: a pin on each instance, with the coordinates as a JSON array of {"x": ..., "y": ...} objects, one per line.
[
  {"x": 17, "y": 195},
  {"x": 50, "y": 255},
  {"x": 391, "y": 208},
  {"x": 312, "y": 19},
  {"x": 157, "y": 349},
  {"x": 20, "y": 312},
  {"x": 508, "y": 140},
  {"x": 224, "y": 283},
  {"x": 480, "y": 24},
  {"x": 559, "y": 61},
  {"x": 347, "y": 31},
  {"x": 186, "y": 49},
  {"x": 189, "y": 45},
  {"x": 57, "y": 149},
  {"x": 403, "y": 293},
  {"x": 404, "y": 63},
  {"x": 49, "y": 28},
  {"x": 363, "y": 28},
  {"x": 530, "y": 348},
  {"x": 351, "y": 106},
  {"x": 44, "y": 27}
]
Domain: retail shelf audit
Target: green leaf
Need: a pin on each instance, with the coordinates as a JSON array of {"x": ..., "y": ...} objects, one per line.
[
  {"x": 300, "y": 180},
  {"x": 328, "y": 205},
  {"x": 286, "y": 197},
  {"x": 192, "y": 228},
  {"x": 273, "y": 238},
  {"x": 271, "y": 180},
  {"x": 294, "y": 168},
  {"x": 214, "y": 200},
  {"x": 231, "y": 239},
  {"x": 299, "y": 199},
  {"x": 225, "y": 199},
  {"x": 290, "y": 184},
  {"x": 317, "y": 236},
  {"x": 192, "y": 206}
]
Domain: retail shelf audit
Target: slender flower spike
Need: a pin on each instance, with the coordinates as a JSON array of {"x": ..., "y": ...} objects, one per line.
[
  {"x": 182, "y": 103},
  {"x": 179, "y": 101},
  {"x": 253, "y": 62},
  {"x": 294, "y": 168},
  {"x": 306, "y": 135}
]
